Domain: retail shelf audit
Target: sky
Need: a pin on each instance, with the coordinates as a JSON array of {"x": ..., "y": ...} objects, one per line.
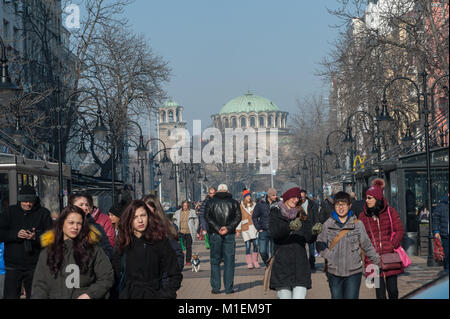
[{"x": 217, "y": 50}]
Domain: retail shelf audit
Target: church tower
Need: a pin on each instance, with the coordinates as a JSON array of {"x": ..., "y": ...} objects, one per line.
[{"x": 170, "y": 118}]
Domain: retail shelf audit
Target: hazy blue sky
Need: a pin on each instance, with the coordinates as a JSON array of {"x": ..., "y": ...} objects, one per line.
[{"x": 219, "y": 49}]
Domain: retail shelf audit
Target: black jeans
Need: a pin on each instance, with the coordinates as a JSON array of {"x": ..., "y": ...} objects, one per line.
[
  {"x": 13, "y": 283},
  {"x": 390, "y": 284},
  {"x": 187, "y": 240}
]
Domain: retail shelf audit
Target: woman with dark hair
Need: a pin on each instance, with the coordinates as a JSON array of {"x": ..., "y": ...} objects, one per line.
[
  {"x": 143, "y": 255},
  {"x": 385, "y": 230},
  {"x": 72, "y": 265},
  {"x": 171, "y": 232}
]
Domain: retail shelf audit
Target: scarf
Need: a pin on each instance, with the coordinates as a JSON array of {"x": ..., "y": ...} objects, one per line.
[{"x": 289, "y": 213}]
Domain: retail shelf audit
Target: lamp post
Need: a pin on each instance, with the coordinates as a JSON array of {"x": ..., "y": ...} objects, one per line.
[
  {"x": 425, "y": 112},
  {"x": 164, "y": 160},
  {"x": 6, "y": 86},
  {"x": 320, "y": 160}
]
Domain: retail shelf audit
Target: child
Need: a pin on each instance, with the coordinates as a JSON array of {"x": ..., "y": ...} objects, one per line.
[{"x": 343, "y": 259}]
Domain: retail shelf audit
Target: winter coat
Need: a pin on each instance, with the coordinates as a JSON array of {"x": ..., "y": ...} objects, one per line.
[
  {"x": 357, "y": 206},
  {"x": 145, "y": 263},
  {"x": 384, "y": 228},
  {"x": 261, "y": 215},
  {"x": 192, "y": 222},
  {"x": 201, "y": 216},
  {"x": 104, "y": 221},
  {"x": 326, "y": 208},
  {"x": 246, "y": 226},
  {"x": 104, "y": 242},
  {"x": 344, "y": 259},
  {"x": 96, "y": 282},
  {"x": 222, "y": 210},
  {"x": 291, "y": 266},
  {"x": 440, "y": 218},
  {"x": 312, "y": 213},
  {"x": 22, "y": 253}
]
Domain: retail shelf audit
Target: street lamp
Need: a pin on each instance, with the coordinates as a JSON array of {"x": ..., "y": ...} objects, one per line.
[
  {"x": 6, "y": 86},
  {"x": 425, "y": 111},
  {"x": 321, "y": 160}
]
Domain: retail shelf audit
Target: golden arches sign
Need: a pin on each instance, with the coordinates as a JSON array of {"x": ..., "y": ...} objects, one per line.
[{"x": 361, "y": 161}]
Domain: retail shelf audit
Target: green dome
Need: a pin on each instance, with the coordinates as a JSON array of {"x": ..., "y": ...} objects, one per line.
[
  {"x": 170, "y": 103},
  {"x": 249, "y": 103}
]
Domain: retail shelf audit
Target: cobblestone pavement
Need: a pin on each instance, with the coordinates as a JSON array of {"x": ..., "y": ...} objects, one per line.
[{"x": 248, "y": 283}]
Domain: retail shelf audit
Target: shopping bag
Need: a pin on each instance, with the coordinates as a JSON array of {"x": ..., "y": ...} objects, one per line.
[
  {"x": 206, "y": 241},
  {"x": 182, "y": 244}
]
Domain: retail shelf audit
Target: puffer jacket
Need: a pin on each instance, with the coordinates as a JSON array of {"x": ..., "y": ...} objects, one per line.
[
  {"x": 222, "y": 210},
  {"x": 104, "y": 221},
  {"x": 344, "y": 259},
  {"x": 440, "y": 218},
  {"x": 291, "y": 266},
  {"x": 382, "y": 226},
  {"x": 96, "y": 283}
]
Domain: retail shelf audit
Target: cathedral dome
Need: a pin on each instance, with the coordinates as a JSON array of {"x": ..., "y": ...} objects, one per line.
[{"x": 249, "y": 103}]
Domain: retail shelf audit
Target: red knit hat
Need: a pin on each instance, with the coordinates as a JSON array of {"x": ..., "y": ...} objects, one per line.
[
  {"x": 246, "y": 193},
  {"x": 292, "y": 192},
  {"x": 376, "y": 190}
]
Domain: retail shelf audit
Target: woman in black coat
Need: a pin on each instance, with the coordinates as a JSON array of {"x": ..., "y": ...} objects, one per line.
[
  {"x": 291, "y": 273},
  {"x": 143, "y": 255}
]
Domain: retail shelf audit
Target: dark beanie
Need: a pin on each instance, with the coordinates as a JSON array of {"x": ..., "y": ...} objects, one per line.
[
  {"x": 116, "y": 210},
  {"x": 27, "y": 194}
]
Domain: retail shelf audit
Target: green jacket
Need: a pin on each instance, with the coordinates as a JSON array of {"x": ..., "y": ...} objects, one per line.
[{"x": 96, "y": 283}]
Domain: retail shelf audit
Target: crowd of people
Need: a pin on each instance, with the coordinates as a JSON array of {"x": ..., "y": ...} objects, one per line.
[{"x": 134, "y": 251}]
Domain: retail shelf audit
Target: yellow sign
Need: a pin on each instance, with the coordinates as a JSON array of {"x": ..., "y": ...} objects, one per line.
[{"x": 361, "y": 161}]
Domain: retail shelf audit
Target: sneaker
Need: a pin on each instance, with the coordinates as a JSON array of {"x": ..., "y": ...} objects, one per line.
[
  {"x": 316, "y": 254},
  {"x": 230, "y": 292}
]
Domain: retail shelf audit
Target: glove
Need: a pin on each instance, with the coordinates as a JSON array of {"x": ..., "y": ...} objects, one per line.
[
  {"x": 296, "y": 224},
  {"x": 317, "y": 229}
]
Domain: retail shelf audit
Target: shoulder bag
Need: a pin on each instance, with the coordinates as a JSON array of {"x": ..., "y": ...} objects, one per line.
[{"x": 400, "y": 251}]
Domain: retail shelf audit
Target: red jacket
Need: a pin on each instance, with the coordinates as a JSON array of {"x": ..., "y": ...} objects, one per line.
[
  {"x": 104, "y": 221},
  {"x": 373, "y": 231}
]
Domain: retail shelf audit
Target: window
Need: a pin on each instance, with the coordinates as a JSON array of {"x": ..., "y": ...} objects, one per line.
[
  {"x": 269, "y": 121},
  {"x": 243, "y": 122},
  {"x": 226, "y": 123},
  {"x": 252, "y": 121},
  {"x": 261, "y": 121},
  {"x": 234, "y": 122},
  {"x": 171, "y": 116}
]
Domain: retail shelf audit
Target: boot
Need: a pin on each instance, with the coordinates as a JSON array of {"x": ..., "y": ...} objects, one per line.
[
  {"x": 249, "y": 261},
  {"x": 255, "y": 260}
]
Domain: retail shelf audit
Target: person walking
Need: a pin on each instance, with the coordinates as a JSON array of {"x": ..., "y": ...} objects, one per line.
[
  {"x": 248, "y": 230},
  {"x": 82, "y": 201},
  {"x": 339, "y": 243},
  {"x": 143, "y": 255},
  {"x": 101, "y": 219},
  {"x": 312, "y": 213},
  {"x": 186, "y": 220},
  {"x": 385, "y": 230},
  {"x": 170, "y": 229},
  {"x": 72, "y": 265},
  {"x": 440, "y": 227},
  {"x": 115, "y": 212},
  {"x": 261, "y": 221},
  {"x": 291, "y": 274},
  {"x": 20, "y": 228},
  {"x": 203, "y": 223},
  {"x": 326, "y": 208},
  {"x": 222, "y": 215}
]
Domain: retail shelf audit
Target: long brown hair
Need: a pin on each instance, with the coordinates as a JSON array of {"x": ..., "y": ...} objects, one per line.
[
  {"x": 170, "y": 229},
  {"x": 82, "y": 247},
  {"x": 153, "y": 232}
]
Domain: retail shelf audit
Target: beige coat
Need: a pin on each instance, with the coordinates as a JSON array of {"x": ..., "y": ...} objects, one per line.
[{"x": 246, "y": 226}]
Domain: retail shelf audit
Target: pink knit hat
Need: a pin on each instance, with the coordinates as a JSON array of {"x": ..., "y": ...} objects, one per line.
[{"x": 376, "y": 190}]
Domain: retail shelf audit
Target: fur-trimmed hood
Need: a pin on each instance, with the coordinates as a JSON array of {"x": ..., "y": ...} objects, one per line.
[{"x": 48, "y": 238}]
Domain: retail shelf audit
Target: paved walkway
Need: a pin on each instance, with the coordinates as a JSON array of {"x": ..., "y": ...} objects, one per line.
[{"x": 249, "y": 282}]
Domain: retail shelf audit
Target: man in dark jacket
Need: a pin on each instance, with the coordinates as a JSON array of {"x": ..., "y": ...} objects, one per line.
[
  {"x": 222, "y": 215},
  {"x": 261, "y": 221},
  {"x": 326, "y": 208},
  {"x": 440, "y": 227},
  {"x": 20, "y": 229},
  {"x": 312, "y": 214}
]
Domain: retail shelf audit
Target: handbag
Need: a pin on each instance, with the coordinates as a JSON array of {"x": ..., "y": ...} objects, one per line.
[
  {"x": 438, "y": 250},
  {"x": 207, "y": 246},
  {"x": 267, "y": 274},
  {"x": 400, "y": 251},
  {"x": 389, "y": 261}
]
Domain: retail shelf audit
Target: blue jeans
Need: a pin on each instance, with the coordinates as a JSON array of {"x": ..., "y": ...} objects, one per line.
[
  {"x": 312, "y": 258},
  {"x": 344, "y": 287},
  {"x": 222, "y": 246},
  {"x": 248, "y": 245},
  {"x": 265, "y": 245},
  {"x": 445, "y": 246}
]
